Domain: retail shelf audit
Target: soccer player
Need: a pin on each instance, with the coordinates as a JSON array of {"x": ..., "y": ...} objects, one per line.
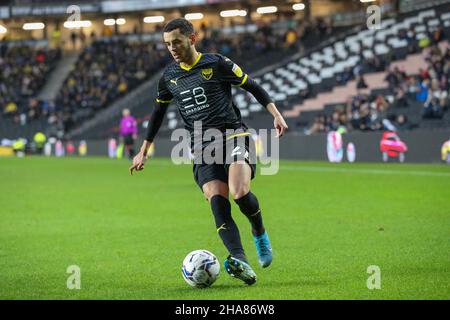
[{"x": 200, "y": 85}]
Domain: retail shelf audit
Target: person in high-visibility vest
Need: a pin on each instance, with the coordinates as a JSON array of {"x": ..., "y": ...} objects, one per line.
[
  {"x": 39, "y": 140},
  {"x": 19, "y": 147},
  {"x": 445, "y": 151}
]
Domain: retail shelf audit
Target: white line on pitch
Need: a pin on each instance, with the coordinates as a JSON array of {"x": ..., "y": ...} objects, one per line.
[
  {"x": 367, "y": 171},
  {"x": 347, "y": 170}
]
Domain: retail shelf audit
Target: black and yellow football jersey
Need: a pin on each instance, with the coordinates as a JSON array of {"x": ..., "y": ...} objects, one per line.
[{"x": 202, "y": 92}]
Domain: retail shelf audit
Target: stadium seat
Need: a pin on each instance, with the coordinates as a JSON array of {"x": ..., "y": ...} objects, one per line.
[{"x": 381, "y": 49}]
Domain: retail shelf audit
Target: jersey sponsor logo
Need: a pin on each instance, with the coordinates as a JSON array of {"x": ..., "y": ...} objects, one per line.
[
  {"x": 195, "y": 100},
  {"x": 174, "y": 81},
  {"x": 237, "y": 71},
  {"x": 207, "y": 73}
]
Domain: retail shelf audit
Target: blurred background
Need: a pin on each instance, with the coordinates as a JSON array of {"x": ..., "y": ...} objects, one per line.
[{"x": 350, "y": 84}]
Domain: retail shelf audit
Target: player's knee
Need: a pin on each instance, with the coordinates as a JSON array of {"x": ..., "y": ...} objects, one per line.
[
  {"x": 213, "y": 189},
  {"x": 240, "y": 190}
]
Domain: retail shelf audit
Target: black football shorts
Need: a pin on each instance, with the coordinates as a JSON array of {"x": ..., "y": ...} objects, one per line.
[
  {"x": 128, "y": 140},
  {"x": 240, "y": 147}
]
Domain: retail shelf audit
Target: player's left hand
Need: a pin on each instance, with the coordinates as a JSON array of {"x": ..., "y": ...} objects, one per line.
[
  {"x": 280, "y": 125},
  {"x": 138, "y": 162}
]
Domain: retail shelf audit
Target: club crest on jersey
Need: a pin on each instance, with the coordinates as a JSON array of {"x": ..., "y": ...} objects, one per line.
[{"x": 207, "y": 73}]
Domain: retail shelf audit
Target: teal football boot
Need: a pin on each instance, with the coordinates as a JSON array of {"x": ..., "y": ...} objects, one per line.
[{"x": 264, "y": 249}]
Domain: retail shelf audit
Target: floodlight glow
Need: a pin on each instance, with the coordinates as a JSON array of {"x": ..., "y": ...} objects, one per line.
[
  {"x": 121, "y": 21},
  {"x": 233, "y": 13},
  {"x": 109, "y": 22},
  {"x": 193, "y": 16},
  {"x": 298, "y": 6},
  {"x": 33, "y": 26},
  {"x": 154, "y": 19},
  {"x": 77, "y": 24},
  {"x": 263, "y": 10}
]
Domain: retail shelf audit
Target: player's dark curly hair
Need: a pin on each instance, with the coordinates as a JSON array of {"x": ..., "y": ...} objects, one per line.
[{"x": 186, "y": 28}]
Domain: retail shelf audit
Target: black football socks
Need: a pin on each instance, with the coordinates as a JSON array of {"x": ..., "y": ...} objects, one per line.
[
  {"x": 250, "y": 207},
  {"x": 226, "y": 227}
]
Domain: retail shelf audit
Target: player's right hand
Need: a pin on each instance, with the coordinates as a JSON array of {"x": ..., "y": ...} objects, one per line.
[{"x": 138, "y": 162}]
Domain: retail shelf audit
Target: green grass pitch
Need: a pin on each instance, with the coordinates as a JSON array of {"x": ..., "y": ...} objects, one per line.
[{"x": 129, "y": 235}]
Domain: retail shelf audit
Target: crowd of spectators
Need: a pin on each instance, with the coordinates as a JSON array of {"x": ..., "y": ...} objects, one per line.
[
  {"x": 109, "y": 68},
  {"x": 429, "y": 89},
  {"x": 105, "y": 71},
  {"x": 23, "y": 71},
  {"x": 286, "y": 34}
]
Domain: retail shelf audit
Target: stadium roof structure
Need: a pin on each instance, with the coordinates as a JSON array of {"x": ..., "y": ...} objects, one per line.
[{"x": 21, "y": 8}]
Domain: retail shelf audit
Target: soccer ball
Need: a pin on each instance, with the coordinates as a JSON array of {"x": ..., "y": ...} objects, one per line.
[{"x": 200, "y": 268}]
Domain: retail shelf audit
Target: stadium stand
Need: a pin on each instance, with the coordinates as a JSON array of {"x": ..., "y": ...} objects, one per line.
[
  {"x": 249, "y": 45},
  {"x": 409, "y": 90},
  {"x": 330, "y": 69},
  {"x": 23, "y": 71},
  {"x": 320, "y": 70},
  {"x": 111, "y": 67},
  {"x": 105, "y": 71},
  {"x": 338, "y": 63}
]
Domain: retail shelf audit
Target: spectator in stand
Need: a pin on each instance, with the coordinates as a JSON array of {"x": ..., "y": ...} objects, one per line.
[
  {"x": 432, "y": 109},
  {"x": 22, "y": 73},
  {"x": 401, "y": 122},
  {"x": 82, "y": 37},
  {"x": 73, "y": 39},
  {"x": 128, "y": 132},
  {"x": 93, "y": 36},
  {"x": 422, "y": 90},
  {"x": 291, "y": 39},
  {"x": 424, "y": 74},
  {"x": 401, "y": 100},
  {"x": 395, "y": 78},
  {"x": 360, "y": 82},
  {"x": 10, "y": 109},
  {"x": 411, "y": 85},
  {"x": 345, "y": 76},
  {"x": 437, "y": 35},
  {"x": 319, "y": 125},
  {"x": 380, "y": 104},
  {"x": 438, "y": 93},
  {"x": 34, "y": 109},
  {"x": 334, "y": 123},
  {"x": 375, "y": 64}
]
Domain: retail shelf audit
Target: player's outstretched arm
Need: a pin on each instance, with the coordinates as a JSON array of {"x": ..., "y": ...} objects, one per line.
[
  {"x": 278, "y": 121},
  {"x": 154, "y": 124},
  {"x": 263, "y": 98}
]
